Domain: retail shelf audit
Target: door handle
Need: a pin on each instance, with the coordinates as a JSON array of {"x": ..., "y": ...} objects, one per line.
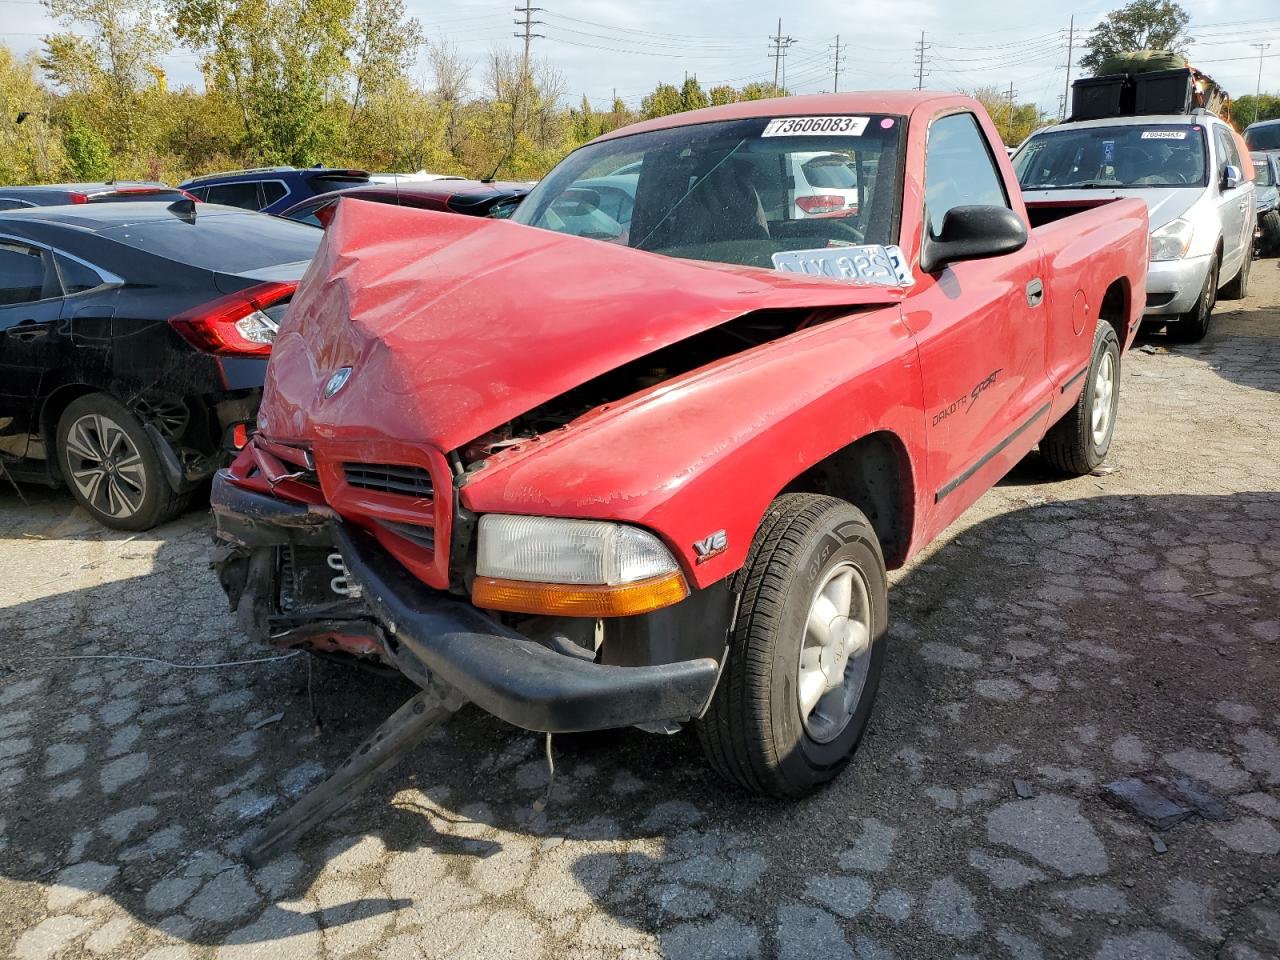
[
  {"x": 1035, "y": 292},
  {"x": 27, "y": 330}
]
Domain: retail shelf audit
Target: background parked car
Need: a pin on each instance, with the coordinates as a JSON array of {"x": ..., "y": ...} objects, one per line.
[
  {"x": 271, "y": 189},
  {"x": 826, "y": 185},
  {"x": 1189, "y": 170},
  {"x": 411, "y": 177},
  {"x": 1266, "y": 180},
  {"x": 53, "y": 194},
  {"x": 472, "y": 197},
  {"x": 1264, "y": 135},
  {"x": 133, "y": 345}
]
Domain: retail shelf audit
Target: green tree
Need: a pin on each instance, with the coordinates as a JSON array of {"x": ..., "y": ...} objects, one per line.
[
  {"x": 30, "y": 140},
  {"x": 1248, "y": 109},
  {"x": 664, "y": 101},
  {"x": 385, "y": 42},
  {"x": 1014, "y": 121},
  {"x": 692, "y": 96},
  {"x": 760, "y": 91},
  {"x": 723, "y": 94},
  {"x": 1139, "y": 25},
  {"x": 107, "y": 59},
  {"x": 88, "y": 156}
]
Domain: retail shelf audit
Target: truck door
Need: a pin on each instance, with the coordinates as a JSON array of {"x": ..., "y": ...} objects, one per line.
[{"x": 980, "y": 325}]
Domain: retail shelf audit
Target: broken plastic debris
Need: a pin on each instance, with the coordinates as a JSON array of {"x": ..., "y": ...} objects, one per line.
[
  {"x": 1163, "y": 801},
  {"x": 1158, "y": 845},
  {"x": 268, "y": 721},
  {"x": 1023, "y": 789}
]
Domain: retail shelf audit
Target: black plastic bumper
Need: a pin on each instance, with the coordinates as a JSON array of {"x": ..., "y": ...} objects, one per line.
[{"x": 504, "y": 673}]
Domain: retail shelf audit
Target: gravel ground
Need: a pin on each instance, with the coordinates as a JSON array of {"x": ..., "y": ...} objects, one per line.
[{"x": 1061, "y": 636}]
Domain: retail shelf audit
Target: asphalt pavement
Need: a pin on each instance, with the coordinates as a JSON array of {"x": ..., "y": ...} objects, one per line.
[{"x": 1065, "y": 646}]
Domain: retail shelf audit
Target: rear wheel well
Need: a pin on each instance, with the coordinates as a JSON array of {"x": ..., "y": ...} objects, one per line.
[
  {"x": 1115, "y": 309},
  {"x": 51, "y": 412},
  {"x": 874, "y": 474}
]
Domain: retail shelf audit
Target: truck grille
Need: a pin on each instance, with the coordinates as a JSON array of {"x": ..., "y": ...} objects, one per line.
[
  {"x": 417, "y": 534},
  {"x": 388, "y": 478}
]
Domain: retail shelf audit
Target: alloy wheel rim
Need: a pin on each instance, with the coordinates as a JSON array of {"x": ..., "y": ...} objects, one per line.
[
  {"x": 105, "y": 466},
  {"x": 1104, "y": 387},
  {"x": 835, "y": 654}
]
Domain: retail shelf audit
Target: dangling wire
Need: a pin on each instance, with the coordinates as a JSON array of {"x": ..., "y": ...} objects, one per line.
[{"x": 541, "y": 803}]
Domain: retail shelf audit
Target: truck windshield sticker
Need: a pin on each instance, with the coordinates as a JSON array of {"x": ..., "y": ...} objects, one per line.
[
  {"x": 1164, "y": 134},
  {"x": 815, "y": 126},
  {"x": 1108, "y": 151},
  {"x": 869, "y": 263}
]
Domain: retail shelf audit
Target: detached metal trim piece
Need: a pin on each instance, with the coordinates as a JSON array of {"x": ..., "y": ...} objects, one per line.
[{"x": 508, "y": 675}]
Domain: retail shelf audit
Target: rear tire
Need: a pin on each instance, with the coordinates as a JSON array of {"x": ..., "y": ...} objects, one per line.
[
  {"x": 1270, "y": 224},
  {"x": 1238, "y": 287},
  {"x": 1193, "y": 325},
  {"x": 1079, "y": 442},
  {"x": 111, "y": 466},
  {"x": 797, "y": 643}
]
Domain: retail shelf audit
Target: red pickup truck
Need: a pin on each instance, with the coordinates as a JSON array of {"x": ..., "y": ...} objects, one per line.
[{"x": 642, "y": 455}]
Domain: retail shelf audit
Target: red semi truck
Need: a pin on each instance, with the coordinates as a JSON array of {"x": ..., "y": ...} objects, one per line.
[{"x": 642, "y": 455}]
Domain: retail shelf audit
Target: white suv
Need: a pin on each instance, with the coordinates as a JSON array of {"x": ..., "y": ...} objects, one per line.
[{"x": 1188, "y": 169}]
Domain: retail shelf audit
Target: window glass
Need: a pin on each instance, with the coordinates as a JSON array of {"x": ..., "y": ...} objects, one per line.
[
  {"x": 1129, "y": 155},
  {"x": 1262, "y": 173},
  {"x": 13, "y": 204},
  {"x": 1227, "y": 152},
  {"x": 958, "y": 169},
  {"x": 243, "y": 195},
  {"x": 21, "y": 274},
  {"x": 733, "y": 191},
  {"x": 200, "y": 193},
  {"x": 272, "y": 190},
  {"x": 222, "y": 241},
  {"x": 1265, "y": 137},
  {"x": 76, "y": 277}
]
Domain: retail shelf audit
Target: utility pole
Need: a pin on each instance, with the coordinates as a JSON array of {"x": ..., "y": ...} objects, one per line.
[
  {"x": 921, "y": 47},
  {"x": 1009, "y": 126},
  {"x": 839, "y": 59},
  {"x": 1071, "y": 39},
  {"x": 528, "y": 23},
  {"x": 779, "y": 55},
  {"x": 1257, "y": 90}
]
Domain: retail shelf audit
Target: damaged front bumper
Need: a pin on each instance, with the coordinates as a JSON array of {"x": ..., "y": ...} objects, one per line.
[{"x": 428, "y": 634}]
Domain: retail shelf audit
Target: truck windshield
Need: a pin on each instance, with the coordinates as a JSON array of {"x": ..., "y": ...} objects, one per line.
[
  {"x": 1157, "y": 155},
  {"x": 735, "y": 191}
]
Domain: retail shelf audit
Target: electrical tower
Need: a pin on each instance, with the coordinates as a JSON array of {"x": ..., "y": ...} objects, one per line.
[
  {"x": 921, "y": 47},
  {"x": 1257, "y": 91},
  {"x": 526, "y": 32},
  {"x": 839, "y": 59},
  {"x": 780, "y": 44}
]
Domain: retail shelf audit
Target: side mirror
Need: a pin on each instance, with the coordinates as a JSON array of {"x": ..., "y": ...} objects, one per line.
[
  {"x": 973, "y": 233},
  {"x": 1231, "y": 177}
]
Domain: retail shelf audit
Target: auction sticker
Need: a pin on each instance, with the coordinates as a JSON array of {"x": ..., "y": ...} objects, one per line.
[
  {"x": 869, "y": 263},
  {"x": 815, "y": 126},
  {"x": 1164, "y": 134}
]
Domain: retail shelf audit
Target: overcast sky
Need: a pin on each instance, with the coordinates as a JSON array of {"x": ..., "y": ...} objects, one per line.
[{"x": 605, "y": 45}]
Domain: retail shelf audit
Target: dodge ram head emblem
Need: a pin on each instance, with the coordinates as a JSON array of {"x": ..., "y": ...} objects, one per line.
[
  {"x": 337, "y": 381},
  {"x": 711, "y": 546}
]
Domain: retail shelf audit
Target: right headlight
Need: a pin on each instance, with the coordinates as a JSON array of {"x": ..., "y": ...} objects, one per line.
[{"x": 1172, "y": 241}]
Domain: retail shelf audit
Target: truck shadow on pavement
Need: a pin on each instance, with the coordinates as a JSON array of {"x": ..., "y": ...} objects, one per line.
[{"x": 1056, "y": 645}]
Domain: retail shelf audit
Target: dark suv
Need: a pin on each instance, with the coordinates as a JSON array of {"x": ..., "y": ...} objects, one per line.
[
  {"x": 133, "y": 344},
  {"x": 271, "y": 189}
]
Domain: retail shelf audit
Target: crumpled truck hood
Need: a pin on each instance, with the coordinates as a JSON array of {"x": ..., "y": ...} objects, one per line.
[{"x": 453, "y": 325}]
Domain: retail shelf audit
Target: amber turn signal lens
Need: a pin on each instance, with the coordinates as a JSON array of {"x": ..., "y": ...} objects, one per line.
[{"x": 579, "y": 600}]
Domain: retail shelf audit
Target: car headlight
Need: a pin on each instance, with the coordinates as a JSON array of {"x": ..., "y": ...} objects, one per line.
[
  {"x": 1172, "y": 241},
  {"x": 577, "y": 568}
]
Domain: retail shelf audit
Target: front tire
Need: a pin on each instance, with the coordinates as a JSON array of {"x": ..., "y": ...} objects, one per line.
[
  {"x": 111, "y": 466},
  {"x": 1270, "y": 225},
  {"x": 1193, "y": 325},
  {"x": 1079, "y": 442},
  {"x": 806, "y": 651},
  {"x": 1237, "y": 288}
]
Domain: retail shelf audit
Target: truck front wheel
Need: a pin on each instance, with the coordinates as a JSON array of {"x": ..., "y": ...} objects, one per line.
[{"x": 806, "y": 650}]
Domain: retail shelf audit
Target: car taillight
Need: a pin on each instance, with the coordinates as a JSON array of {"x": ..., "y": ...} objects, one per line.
[
  {"x": 235, "y": 325},
  {"x": 78, "y": 197},
  {"x": 822, "y": 203}
]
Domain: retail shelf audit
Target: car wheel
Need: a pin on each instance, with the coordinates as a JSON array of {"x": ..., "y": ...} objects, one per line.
[
  {"x": 1193, "y": 325},
  {"x": 1270, "y": 224},
  {"x": 1238, "y": 287},
  {"x": 111, "y": 466},
  {"x": 805, "y": 653},
  {"x": 1079, "y": 442}
]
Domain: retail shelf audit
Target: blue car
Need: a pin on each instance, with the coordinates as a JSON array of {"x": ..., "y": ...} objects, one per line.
[{"x": 271, "y": 189}]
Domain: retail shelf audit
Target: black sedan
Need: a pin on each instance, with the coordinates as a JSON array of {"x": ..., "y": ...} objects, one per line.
[
  {"x": 476, "y": 198},
  {"x": 133, "y": 344}
]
